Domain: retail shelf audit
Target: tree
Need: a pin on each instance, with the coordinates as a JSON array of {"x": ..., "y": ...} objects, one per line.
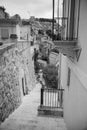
[
  {"x": 7, "y": 15},
  {"x": 16, "y": 17}
]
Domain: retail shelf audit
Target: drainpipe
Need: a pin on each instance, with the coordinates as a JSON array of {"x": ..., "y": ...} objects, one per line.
[
  {"x": 53, "y": 22},
  {"x": 59, "y": 82}
]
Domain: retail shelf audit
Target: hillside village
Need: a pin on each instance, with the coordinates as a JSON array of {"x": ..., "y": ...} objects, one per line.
[
  {"x": 36, "y": 25},
  {"x": 43, "y": 68},
  {"x": 19, "y": 68}
]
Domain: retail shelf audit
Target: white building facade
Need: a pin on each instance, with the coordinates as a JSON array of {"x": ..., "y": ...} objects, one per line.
[{"x": 74, "y": 70}]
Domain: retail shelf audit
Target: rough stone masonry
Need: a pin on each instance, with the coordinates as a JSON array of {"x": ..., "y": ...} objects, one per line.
[{"x": 12, "y": 62}]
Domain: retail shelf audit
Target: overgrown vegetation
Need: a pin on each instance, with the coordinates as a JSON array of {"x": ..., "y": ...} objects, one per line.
[
  {"x": 40, "y": 32},
  {"x": 50, "y": 75}
]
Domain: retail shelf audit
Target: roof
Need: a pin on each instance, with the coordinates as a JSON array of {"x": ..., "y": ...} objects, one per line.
[
  {"x": 8, "y": 21},
  {"x": 24, "y": 22}
]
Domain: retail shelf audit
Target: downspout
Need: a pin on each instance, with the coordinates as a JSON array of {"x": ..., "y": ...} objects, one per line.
[
  {"x": 59, "y": 79},
  {"x": 53, "y": 22}
]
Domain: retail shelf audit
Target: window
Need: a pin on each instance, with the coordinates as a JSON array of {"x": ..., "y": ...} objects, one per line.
[
  {"x": 76, "y": 18},
  {"x": 4, "y": 33}
]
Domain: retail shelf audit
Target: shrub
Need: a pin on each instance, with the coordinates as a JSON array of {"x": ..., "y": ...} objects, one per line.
[{"x": 50, "y": 75}]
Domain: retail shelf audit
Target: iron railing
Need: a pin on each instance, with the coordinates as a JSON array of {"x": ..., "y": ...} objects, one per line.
[
  {"x": 62, "y": 29},
  {"x": 52, "y": 98}
]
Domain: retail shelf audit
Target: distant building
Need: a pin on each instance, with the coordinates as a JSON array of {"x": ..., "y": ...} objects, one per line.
[{"x": 8, "y": 27}]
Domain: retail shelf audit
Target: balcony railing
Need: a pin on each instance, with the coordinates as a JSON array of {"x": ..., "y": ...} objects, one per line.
[
  {"x": 51, "y": 98},
  {"x": 65, "y": 41},
  {"x": 51, "y": 103},
  {"x": 62, "y": 29},
  {"x": 64, "y": 32}
]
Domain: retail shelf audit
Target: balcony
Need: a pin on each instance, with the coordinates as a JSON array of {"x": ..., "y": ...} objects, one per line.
[
  {"x": 51, "y": 103},
  {"x": 66, "y": 42}
]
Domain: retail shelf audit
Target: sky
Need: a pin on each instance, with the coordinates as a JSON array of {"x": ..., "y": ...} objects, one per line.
[{"x": 27, "y": 8}]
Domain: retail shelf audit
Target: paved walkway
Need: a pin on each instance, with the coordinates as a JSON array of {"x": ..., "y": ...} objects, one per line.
[{"x": 26, "y": 116}]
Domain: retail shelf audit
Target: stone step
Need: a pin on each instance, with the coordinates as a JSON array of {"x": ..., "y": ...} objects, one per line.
[{"x": 48, "y": 111}]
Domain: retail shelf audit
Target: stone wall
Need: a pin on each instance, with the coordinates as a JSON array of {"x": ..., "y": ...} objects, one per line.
[
  {"x": 28, "y": 66},
  {"x": 16, "y": 73}
]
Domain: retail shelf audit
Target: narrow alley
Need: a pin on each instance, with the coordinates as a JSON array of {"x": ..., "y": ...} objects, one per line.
[{"x": 26, "y": 116}]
